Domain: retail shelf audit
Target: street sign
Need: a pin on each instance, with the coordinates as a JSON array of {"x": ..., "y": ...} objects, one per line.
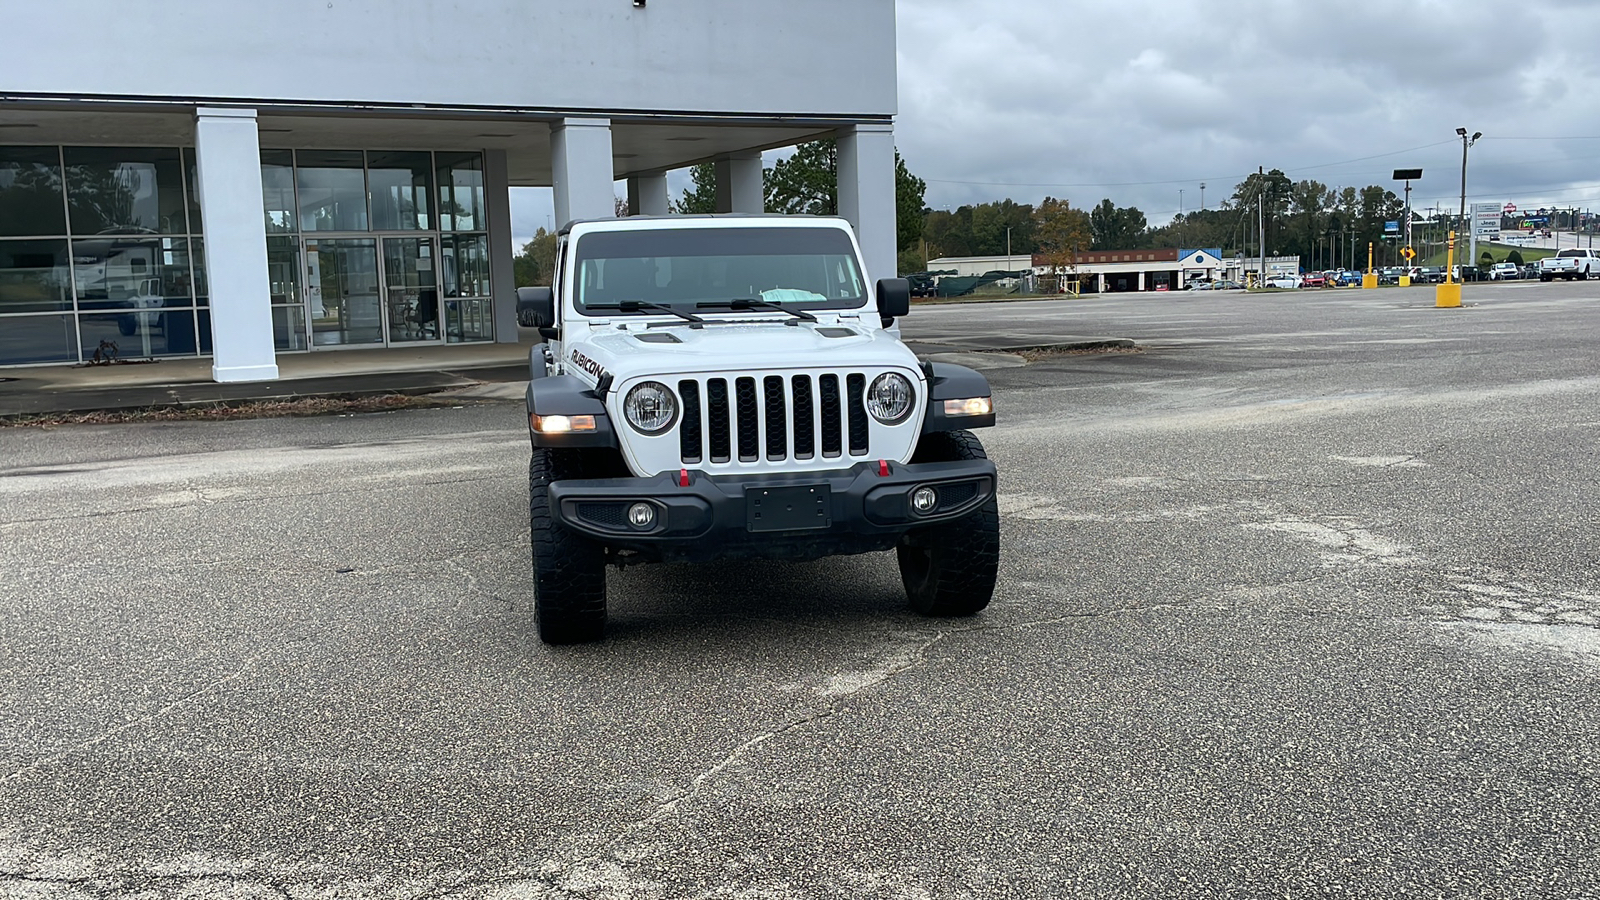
[
  {"x": 1408, "y": 253},
  {"x": 1392, "y": 226}
]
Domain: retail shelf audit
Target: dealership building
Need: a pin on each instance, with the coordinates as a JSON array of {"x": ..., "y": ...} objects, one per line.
[{"x": 239, "y": 181}]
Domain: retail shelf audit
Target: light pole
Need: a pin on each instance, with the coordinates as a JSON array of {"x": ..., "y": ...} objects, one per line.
[
  {"x": 1202, "y": 196},
  {"x": 1465, "y": 143}
]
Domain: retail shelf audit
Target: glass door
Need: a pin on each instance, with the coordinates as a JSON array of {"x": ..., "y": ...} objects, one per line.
[
  {"x": 411, "y": 290},
  {"x": 343, "y": 298}
]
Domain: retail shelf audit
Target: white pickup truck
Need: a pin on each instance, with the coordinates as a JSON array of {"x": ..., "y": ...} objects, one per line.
[{"x": 1574, "y": 262}]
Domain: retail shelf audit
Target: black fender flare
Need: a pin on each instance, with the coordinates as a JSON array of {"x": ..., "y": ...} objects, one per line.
[
  {"x": 948, "y": 381},
  {"x": 564, "y": 395}
]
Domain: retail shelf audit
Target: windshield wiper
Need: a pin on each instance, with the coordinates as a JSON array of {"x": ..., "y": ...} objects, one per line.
[
  {"x": 637, "y": 305},
  {"x": 753, "y": 303}
]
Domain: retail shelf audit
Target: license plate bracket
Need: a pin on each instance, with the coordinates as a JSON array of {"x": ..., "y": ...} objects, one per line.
[{"x": 795, "y": 508}]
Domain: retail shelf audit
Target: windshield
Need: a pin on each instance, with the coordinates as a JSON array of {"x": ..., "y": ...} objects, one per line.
[{"x": 810, "y": 268}]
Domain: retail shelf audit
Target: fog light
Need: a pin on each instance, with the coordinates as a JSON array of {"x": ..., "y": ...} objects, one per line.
[
  {"x": 642, "y": 515},
  {"x": 924, "y": 499}
]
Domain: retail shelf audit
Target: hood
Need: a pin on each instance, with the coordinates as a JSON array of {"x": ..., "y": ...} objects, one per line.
[{"x": 735, "y": 347}]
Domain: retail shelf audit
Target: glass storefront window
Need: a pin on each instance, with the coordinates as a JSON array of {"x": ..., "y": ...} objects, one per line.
[
  {"x": 34, "y": 277},
  {"x": 30, "y": 192},
  {"x": 289, "y": 327},
  {"x": 460, "y": 191},
  {"x": 38, "y": 339},
  {"x": 466, "y": 265},
  {"x": 117, "y": 190},
  {"x": 277, "y": 190},
  {"x": 197, "y": 262},
  {"x": 191, "y": 183},
  {"x": 283, "y": 270},
  {"x": 132, "y": 273},
  {"x": 469, "y": 320},
  {"x": 333, "y": 190},
  {"x": 139, "y": 333},
  {"x": 399, "y": 184}
]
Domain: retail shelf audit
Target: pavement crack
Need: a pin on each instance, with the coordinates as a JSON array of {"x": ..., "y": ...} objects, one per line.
[{"x": 108, "y": 734}]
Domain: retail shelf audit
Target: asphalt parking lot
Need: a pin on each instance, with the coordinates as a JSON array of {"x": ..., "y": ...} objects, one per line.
[{"x": 1300, "y": 600}]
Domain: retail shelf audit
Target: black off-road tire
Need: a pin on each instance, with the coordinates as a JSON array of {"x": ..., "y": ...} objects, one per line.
[
  {"x": 569, "y": 572},
  {"x": 949, "y": 569}
]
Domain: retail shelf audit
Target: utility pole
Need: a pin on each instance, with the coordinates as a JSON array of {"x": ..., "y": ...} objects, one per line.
[
  {"x": 1472, "y": 237},
  {"x": 1261, "y": 223},
  {"x": 1202, "y": 196}
]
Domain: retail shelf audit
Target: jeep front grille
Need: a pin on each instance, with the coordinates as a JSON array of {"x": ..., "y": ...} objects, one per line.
[{"x": 773, "y": 418}]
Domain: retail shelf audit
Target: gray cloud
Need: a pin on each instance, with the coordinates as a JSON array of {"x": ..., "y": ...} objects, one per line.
[{"x": 1137, "y": 99}]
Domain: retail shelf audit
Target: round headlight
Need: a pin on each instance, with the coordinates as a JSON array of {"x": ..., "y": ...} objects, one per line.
[
  {"x": 889, "y": 398},
  {"x": 650, "y": 407}
]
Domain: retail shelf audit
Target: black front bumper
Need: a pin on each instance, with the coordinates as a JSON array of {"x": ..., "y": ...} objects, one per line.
[{"x": 792, "y": 515}]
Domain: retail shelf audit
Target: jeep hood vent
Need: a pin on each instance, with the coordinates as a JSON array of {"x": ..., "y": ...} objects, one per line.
[
  {"x": 837, "y": 332},
  {"x": 657, "y": 337}
]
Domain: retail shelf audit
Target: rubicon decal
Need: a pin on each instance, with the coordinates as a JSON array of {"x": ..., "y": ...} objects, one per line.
[{"x": 588, "y": 365}]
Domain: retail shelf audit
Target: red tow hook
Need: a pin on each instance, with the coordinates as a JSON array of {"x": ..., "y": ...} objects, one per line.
[
  {"x": 883, "y": 468},
  {"x": 683, "y": 478}
]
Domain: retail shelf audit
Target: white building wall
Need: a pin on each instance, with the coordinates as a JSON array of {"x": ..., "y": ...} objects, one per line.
[{"x": 725, "y": 56}]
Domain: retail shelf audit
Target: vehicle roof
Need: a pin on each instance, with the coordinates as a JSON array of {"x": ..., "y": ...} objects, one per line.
[{"x": 692, "y": 220}]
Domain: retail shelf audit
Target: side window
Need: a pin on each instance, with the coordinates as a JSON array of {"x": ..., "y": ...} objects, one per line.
[{"x": 556, "y": 283}]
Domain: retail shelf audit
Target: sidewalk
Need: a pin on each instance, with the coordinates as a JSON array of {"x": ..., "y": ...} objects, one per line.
[
  {"x": 170, "y": 382},
  {"x": 477, "y": 371}
]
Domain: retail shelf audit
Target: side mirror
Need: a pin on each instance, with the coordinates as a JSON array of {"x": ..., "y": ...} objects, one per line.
[
  {"x": 894, "y": 297},
  {"x": 536, "y": 307}
]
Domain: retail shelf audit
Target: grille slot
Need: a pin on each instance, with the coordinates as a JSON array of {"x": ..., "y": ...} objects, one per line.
[
  {"x": 689, "y": 430},
  {"x": 856, "y": 384},
  {"x": 953, "y": 495},
  {"x": 607, "y": 515},
  {"x": 805, "y": 427},
  {"x": 717, "y": 410},
  {"x": 775, "y": 407},
  {"x": 748, "y": 419},
  {"x": 832, "y": 442}
]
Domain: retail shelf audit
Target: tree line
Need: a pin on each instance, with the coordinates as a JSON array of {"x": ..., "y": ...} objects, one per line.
[{"x": 1325, "y": 226}]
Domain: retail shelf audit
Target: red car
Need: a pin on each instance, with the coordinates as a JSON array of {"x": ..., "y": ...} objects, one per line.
[{"x": 1315, "y": 279}]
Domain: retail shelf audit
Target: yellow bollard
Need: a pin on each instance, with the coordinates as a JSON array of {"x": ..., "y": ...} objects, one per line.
[
  {"x": 1369, "y": 281},
  {"x": 1405, "y": 281},
  {"x": 1448, "y": 295}
]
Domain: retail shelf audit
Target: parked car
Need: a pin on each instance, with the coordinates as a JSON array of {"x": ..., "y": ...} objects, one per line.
[
  {"x": 1198, "y": 286},
  {"x": 1226, "y": 285},
  {"x": 1430, "y": 274},
  {"x": 1284, "y": 282},
  {"x": 1504, "y": 271},
  {"x": 1390, "y": 275},
  {"x": 1314, "y": 280}
]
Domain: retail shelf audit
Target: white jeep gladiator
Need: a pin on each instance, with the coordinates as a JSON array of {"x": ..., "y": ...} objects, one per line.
[
  {"x": 1574, "y": 262},
  {"x": 713, "y": 387}
]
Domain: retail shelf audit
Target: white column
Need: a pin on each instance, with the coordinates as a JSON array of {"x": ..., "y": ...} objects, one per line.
[
  {"x": 580, "y": 170},
  {"x": 740, "y": 187},
  {"x": 228, "y": 180},
  {"x": 866, "y": 195},
  {"x": 1141, "y": 280},
  {"x": 502, "y": 271},
  {"x": 647, "y": 195}
]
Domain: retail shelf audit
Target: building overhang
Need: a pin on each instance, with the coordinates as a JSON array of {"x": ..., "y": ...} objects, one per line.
[{"x": 642, "y": 143}]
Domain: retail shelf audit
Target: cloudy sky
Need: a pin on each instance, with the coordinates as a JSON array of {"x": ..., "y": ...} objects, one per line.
[{"x": 1137, "y": 100}]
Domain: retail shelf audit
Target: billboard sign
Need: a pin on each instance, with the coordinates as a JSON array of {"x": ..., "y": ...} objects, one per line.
[
  {"x": 1391, "y": 227},
  {"x": 1486, "y": 221}
]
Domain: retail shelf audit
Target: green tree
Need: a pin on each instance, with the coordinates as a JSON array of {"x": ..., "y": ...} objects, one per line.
[
  {"x": 807, "y": 183},
  {"x": 702, "y": 196},
  {"x": 908, "y": 193},
  {"x": 1114, "y": 227},
  {"x": 536, "y": 264},
  {"x": 1064, "y": 233}
]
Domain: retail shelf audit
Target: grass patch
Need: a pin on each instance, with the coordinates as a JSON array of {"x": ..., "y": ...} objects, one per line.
[
  {"x": 1498, "y": 251},
  {"x": 227, "y": 410}
]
